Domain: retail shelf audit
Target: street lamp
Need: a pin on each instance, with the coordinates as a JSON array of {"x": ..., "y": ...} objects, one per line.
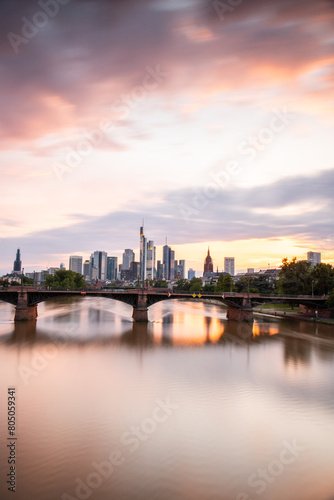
[
  {"x": 22, "y": 280},
  {"x": 312, "y": 288}
]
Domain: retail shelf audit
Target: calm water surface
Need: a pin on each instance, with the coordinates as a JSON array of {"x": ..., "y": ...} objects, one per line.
[{"x": 188, "y": 407}]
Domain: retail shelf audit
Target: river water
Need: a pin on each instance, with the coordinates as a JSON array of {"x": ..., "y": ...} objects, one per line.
[{"x": 187, "y": 407}]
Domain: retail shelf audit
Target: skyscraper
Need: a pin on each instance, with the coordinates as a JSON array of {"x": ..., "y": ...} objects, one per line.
[
  {"x": 229, "y": 265},
  {"x": 17, "y": 262},
  {"x": 98, "y": 266},
  {"x": 128, "y": 257},
  {"x": 181, "y": 269},
  {"x": 191, "y": 273},
  {"x": 314, "y": 258},
  {"x": 112, "y": 268},
  {"x": 75, "y": 264},
  {"x": 150, "y": 260},
  {"x": 208, "y": 264},
  {"x": 143, "y": 255},
  {"x": 166, "y": 262},
  {"x": 86, "y": 270}
]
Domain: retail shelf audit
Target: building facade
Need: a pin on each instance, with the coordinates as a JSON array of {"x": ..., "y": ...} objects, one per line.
[
  {"x": 127, "y": 258},
  {"x": 229, "y": 265},
  {"x": 17, "y": 266},
  {"x": 208, "y": 264},
  {"x": 98, "y": 266},
  {"x": 314, "y": 258},
  {"x": 112, "y": 268},
  {"x": 75, "y": 264}
]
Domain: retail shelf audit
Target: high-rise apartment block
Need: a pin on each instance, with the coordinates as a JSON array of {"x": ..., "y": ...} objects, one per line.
[
  {"x": 128, "y": 257},
  {"x": 150, "y": 260},
  {"x": 75, "y": 264},
  {"x": 168, "y": 263},
  {"x": 112, "y": 267},
  {"x": 98, "y": 266},
  {"x": 86, "y": 274},
  {"x": 191, "y": 273},
  {"x": 229, "y": 265},
  {"x": 314, "y": 258},
  {"x": 147, "y": 258}
]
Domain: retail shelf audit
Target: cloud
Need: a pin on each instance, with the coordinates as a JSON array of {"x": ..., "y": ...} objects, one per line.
[
  {"x": 233, "y": 215},
  {"x": 91, "y": 53}
]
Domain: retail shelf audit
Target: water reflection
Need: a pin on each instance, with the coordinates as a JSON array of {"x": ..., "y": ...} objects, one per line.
[{"x": 86, "y": 374}]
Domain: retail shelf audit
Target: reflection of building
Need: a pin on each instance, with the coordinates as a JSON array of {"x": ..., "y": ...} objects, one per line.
[
  {"x": 314, "y": 258},
  {"x": 75, "y": 264},
  {"x": 208, "y": 264},
  {"x": 229, "y": 265},
  {"x": 17, "y": 262},
  {"x": 112, "y": 268}
]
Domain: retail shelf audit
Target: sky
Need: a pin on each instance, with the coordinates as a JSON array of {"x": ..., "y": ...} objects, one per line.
[{"x": 213, "y": 121}]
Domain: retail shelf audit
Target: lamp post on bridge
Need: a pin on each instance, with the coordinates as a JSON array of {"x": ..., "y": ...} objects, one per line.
[
  {"x": 22, "y": 280},
  {"x": 312, "y": 288}
]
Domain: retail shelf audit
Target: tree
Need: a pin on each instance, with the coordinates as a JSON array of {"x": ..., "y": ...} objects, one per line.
[
  {"x": 27, "y": 281},
  {"x": 182, "y": 285},
  {"x": 224, "y": 283},
  {"x": 322, "y": 276},
  {"x": 195, "y": 285},
  {"x": 159, "y": 284},
  {"x": 209, "y": 287},
  {"x": 295, "y": 277},
  {"x": 330, "y": 301},
  {"x": 246, "y": 284},
  {"x": 65, "y": 279}
]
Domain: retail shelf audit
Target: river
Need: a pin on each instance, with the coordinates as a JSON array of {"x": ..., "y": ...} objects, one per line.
[{"x": 186, "y": 407}]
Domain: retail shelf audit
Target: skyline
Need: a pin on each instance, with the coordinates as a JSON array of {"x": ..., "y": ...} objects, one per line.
[
  {"x": 84, "y": 258},
  {"x": 216, "y": 128}
]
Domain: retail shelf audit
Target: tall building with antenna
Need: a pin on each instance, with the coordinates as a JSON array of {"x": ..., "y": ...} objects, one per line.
[{"x": 143, "y": 254}]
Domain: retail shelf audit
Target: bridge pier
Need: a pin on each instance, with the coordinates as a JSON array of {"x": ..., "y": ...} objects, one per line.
[
  {"x": 24, "y": 312},
  {"x": 243, "y": 314},
  {"x": 140, "y": 312}
]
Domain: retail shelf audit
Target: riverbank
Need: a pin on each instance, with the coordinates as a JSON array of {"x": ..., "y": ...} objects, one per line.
[{"x": 295, "y": 315}]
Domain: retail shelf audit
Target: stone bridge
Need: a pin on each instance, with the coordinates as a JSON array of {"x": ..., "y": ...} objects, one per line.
[{"x": 239, "y": 305}]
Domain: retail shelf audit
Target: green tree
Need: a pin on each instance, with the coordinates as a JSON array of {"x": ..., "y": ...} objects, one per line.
[
  {"x": 224, "y": 283},
  {"x": 246, "y": 284},
  {"x": 195, "y": 285},
  {"x": 330, "y": 301},
  {"x": 295, "y": 277},
  {"x": 159, "y": 284},
  {"x": 322, "y": 276},
  {"x": 65, "y": 279},
  {"x": 182, "y": 285},
  {"x": 209, "y": 287}
]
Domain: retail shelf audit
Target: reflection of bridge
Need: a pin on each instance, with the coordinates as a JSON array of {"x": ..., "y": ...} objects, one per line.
[{"x": 239, "y": 305}]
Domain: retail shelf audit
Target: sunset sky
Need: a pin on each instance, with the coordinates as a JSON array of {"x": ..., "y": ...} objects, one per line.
[{"x": 212, "y": 121}]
